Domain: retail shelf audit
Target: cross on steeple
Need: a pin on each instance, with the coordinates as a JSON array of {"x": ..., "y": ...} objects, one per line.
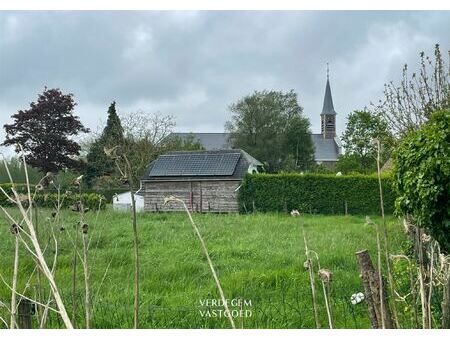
[{"x": 328, "y": 72}]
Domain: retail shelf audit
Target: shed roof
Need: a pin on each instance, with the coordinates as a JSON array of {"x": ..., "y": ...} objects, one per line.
[{"x": 191, "y": 165}]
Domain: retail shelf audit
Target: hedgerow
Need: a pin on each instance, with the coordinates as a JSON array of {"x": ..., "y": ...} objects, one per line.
[
  {"x": 315, "y": 193},
  {"x": 50, "y": 199}
]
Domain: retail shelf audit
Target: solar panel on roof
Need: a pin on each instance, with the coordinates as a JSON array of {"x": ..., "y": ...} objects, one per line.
[{"x": 216, "y": 164}]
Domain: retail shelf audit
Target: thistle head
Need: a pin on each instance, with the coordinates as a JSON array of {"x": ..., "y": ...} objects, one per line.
[
  {"x": 325, "y": 275},
  {"x": 170, "y": 199}
]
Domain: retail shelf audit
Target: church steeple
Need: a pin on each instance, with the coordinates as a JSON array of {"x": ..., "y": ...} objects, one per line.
[{"x": 328, "y": 115}]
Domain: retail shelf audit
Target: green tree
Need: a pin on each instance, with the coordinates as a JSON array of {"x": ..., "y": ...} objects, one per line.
[
  {"x": 271, "y": 127},
  {"x": 360, "y": 151},
  {"x": 422, "y": 177},
  {"x": 46, "y": 130},
  {"x": 98, "y": 163}
]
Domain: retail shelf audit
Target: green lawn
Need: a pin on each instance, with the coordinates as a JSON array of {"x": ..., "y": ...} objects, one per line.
[{"x": 258, "y": 258}]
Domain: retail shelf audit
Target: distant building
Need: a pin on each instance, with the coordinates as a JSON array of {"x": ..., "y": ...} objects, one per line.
[
  {"x": 122, "y": 202},
  {"x": 206, "y": 180},
  {"x": 327, "y": 146}
]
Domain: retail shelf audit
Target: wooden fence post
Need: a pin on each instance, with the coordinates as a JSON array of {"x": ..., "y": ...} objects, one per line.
[
  {"x": 24, "y": 314},
  {"x": 371, "y": 283},
  {"x": 446, "y": 306}
]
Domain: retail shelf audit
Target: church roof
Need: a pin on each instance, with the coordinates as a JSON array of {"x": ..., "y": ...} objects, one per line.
[
  {"x": 209, "y": 141},
  {"x": 326, "y": 149},
  {"x": 328, "y": 108}
]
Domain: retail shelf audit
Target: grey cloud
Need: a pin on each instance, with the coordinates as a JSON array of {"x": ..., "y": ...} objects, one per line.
[{"x": 194, "y": 64}]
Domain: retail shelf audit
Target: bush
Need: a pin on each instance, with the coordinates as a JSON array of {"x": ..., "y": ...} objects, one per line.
[
  {"x": 422, "y": 177},
  {"x": 90, "y": 200},
  {"x": 313, "y": 193},
  {"x": 50, "y": 199}
]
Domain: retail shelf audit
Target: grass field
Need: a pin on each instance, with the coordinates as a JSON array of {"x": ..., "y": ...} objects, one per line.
[{"x": 258, "y": 257}]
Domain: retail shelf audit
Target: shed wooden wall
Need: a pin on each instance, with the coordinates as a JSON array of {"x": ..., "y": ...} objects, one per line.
[{"x": 199, "y": 196}]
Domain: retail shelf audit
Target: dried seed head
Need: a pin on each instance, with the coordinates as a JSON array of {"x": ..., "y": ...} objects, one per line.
[
  {"x": 84, "y": 228},
  {"x": 111, "y": 152},
  {"x": 408, "y": 226},
  {"x": 325, "y": 275},
  {"x": 306, "y": 265},
  {"x": 169, "y": 199},
  {"x": 15, "y": 228},
  {"x": 77, "y": 181},
  {"x": 45, "y": 181},
  {"x": 426, "y": 238}
]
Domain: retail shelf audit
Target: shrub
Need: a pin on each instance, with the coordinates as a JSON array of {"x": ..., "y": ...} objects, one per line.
[
  {"x": 90, "y": 200},
  {"x": 314, "y": 193},
  {"x": 422, "y": 177},
  {"x": 50, "y": 199}
]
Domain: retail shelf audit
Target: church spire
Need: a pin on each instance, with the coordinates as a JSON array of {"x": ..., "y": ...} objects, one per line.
[
  {"x": 328, "y": 107},
  {"x": 328, "y": 115}
]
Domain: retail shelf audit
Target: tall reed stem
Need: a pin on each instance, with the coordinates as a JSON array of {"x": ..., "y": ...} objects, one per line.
[
  {"x": 208, "y": 258},
  {"x": 14, "y": 283}
]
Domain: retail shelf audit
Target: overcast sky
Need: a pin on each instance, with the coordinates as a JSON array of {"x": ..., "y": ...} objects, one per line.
[{"x": 193, "y": 65}]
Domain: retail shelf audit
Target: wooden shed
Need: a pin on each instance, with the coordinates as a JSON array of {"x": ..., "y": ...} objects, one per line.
[{"x": 207, "y": 181}]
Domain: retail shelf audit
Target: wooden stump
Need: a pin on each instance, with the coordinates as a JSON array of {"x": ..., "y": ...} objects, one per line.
[
  {"x": 24, "y": 313},
  {"x": 371, "y": 282}
]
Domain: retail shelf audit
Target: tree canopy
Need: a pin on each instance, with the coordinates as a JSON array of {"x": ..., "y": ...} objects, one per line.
[
  {"x": 271, "y": 127},
  {"x": 46, "y": 130},
  {"x": 98, "y": 163},
  {"x": 360, "y": 151}
]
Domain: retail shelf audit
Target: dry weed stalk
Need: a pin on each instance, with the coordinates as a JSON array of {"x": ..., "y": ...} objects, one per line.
[
  {"x": 127, "y": 178},
  {"x": 325, "y": 277},
  {"x": 310, "y": 266},
  {"x": 15, "y": 231},
  {"x": 206, "y": 253},
  {"x": 385, "y": 240},
  {"x": 36, "y": 250}
]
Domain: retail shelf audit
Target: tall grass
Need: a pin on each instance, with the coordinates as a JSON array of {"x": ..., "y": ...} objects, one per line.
[{"x": 258, "y": 257}]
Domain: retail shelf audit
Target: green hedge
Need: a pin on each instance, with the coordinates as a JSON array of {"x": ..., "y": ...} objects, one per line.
[
  {"x": 50, "y": 199},
  {"x": 315, "y": 193}
]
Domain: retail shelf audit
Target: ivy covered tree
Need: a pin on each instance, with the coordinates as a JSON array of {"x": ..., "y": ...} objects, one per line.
[
  {"x": 98, "y": 163},
  {"x": 270, "y": 125},
  {"x": 422, "y": 177},
  {"x": 46, "y": 130}
]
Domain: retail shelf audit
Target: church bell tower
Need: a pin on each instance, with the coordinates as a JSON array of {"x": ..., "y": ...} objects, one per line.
[{"x": 328, "y": 115}]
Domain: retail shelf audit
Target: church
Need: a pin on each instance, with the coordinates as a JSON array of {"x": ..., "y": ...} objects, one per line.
[{"x": 327, "y": 146}]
